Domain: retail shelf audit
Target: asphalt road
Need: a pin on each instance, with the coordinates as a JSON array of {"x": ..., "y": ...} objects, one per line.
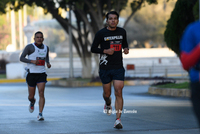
[{"x": 80, "y": 110}]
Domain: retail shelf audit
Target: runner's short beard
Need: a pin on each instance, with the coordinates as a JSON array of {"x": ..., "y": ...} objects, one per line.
[{"x": 112, "y": 26}]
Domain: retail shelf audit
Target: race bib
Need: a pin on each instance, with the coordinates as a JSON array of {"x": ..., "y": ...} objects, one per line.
[
  {"x": 41, "y": 61},
  {"x": 116, "y": 44}
]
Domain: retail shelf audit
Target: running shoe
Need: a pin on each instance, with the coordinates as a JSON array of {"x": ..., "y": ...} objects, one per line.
[
  {"x": 40, "y": 117},
  {"x": 118, "y": 124},
  {"x": 107, "y": 109},
  {"x": 31, "y": 106}
]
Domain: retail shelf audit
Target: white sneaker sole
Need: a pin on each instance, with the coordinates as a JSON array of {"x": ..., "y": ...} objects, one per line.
[{"x": 40, "y": 119}]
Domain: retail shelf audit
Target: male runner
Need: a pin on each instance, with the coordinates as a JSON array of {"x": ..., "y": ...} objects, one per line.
[
  {"x": 190, "y": 58},
  {"x": 111, "y": 40},
  {"x": 38, "y": 54}
]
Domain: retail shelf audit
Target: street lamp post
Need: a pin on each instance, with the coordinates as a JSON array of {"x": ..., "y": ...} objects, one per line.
[
  {"x": 13, "y": 31},
  {"x": 20, "y": 30},
  {"x": 70, "y": 47}
]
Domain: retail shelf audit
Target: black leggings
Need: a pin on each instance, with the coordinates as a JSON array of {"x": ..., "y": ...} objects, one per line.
[{"x": 195, "y": 98}]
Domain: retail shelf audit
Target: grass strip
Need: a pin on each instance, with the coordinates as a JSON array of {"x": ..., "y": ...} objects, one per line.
[{"x": 184, "y": 85}]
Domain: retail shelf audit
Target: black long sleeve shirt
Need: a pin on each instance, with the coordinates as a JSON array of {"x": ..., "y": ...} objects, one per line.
[{"x": 105, "y": 39}]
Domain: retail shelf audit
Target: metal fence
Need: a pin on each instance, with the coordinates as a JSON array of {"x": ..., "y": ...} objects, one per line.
[{"x": 138, "y": 71}]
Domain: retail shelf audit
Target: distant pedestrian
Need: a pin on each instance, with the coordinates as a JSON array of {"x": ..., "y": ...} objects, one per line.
[
  {"x": 111, "y": 40},
  {"x": 38, "y": 54},
  {"x": 190, "y": 58}
]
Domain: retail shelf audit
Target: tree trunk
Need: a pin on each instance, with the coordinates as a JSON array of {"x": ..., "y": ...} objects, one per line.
[
  {"x": 87, "y": 67},
  {"x": 95, "y": 72}
]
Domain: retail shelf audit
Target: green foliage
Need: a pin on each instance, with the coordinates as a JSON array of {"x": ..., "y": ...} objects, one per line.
[
  {"x": 184, "y": 85},
  {"x": 2, "y": 76},
  {"x": 181, "y": 16},
  {"x": 196, "y": 10},
  {"x": 3, "y": 6}
]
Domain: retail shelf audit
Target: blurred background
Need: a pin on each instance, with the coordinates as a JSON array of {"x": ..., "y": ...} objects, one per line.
[{"x": 69, "y": 28}]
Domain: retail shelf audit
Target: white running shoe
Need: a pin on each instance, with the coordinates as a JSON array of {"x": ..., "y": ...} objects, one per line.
[
  {"x": 31, "y": 106},
  {"x": 107, "y": 109},
  {"x": 118, "y": 124},
  {"x": 40, "y": 117}
]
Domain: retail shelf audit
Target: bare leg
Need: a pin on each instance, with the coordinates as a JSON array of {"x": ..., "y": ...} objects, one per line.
[
  {"x": 31, "y": 93},
  {"x": 118, "y": 85},
  {"x": 41, "y": 87},
  {"x": 107, "y": 93}
]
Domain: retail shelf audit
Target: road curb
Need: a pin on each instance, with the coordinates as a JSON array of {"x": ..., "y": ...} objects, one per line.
[
  {"x": 81, "y": 83},
  {"x": 22, "y": 80},
  {"x": 71, "y": 83},
  {"x": 169, "y": 92}
]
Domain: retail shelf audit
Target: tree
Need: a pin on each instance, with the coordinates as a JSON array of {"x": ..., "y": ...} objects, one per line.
[
  {"x": 90, "y": 15},
  {"x": 181, "y": 16},
  {"x": 196, "y": 10},
  {"x": 2, "y": 6},
  {"x": 147, "y": 27}
]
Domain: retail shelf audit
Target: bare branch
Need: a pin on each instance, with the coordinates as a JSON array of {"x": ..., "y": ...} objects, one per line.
[
  {"x": 99, "y": 11},
  {"x": 94, "y": 15},
  {"x": 118, "y": 5},
  {"x": 133, "y": 12},
  {"x": 63, "y": 23},
  {"x": 85, "y": 19},
  {"x": 109, "y": 5}
]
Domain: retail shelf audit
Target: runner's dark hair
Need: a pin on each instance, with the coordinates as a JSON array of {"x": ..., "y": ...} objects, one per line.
[
  {"x": 112, "y": 12},
  {"x": 38, "y": 32}
]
